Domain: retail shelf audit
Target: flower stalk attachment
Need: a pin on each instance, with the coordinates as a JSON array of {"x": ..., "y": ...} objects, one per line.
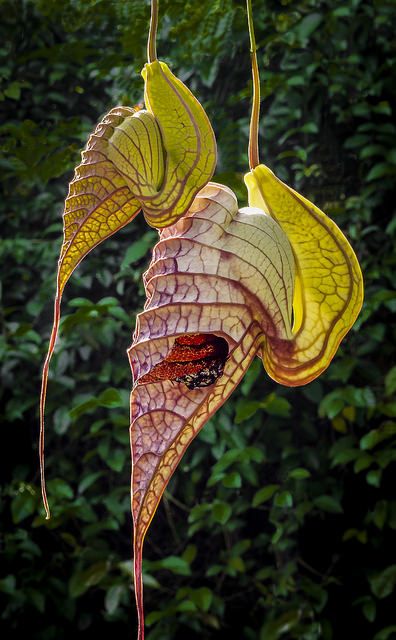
[{"x": 152, "y": 37}]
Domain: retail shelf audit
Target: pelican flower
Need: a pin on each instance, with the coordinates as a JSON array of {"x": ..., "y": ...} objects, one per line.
[{"x": 276, "y": 280}]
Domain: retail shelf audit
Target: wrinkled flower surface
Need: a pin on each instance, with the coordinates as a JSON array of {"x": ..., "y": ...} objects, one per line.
[
  {"x": 155, "y": 159},
  {"x": 286, "y": 289}
]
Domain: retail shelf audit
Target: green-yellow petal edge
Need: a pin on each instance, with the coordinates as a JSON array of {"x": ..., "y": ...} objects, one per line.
[
  {"x": 329, "y": 283},
  {"x": 188, "y": 139}
]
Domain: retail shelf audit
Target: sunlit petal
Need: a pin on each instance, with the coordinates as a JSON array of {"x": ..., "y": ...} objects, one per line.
[{"x": 329, "y": 283}]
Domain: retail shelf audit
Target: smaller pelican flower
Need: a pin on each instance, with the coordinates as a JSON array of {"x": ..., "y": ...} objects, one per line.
[{"x": 153, "y": 160}]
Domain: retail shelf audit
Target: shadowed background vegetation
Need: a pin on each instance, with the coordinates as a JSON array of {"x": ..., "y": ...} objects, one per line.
[{"x": 280, "y": 521}]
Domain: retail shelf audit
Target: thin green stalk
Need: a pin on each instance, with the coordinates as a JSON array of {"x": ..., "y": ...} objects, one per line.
[
  {"x": 254, "y": 118},
  {"x": 152, "y": 37}
]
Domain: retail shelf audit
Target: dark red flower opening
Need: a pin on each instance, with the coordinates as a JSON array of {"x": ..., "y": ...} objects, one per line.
[{"x": 196, "y": 359}]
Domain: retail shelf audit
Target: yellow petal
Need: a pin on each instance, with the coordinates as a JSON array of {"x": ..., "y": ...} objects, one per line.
[
  {"x": 133, "y": 144},
  {"x": 329, "y": 284},
  {"x": 156, "y": 160},
  {"x": 188, "y": 140}
]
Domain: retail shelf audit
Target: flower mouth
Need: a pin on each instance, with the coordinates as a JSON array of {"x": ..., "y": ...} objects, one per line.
[{"x": 197, "y": 360}]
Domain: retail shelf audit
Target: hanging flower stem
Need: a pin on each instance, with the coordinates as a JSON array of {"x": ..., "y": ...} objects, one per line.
[
  {"x": 254, "y": 119},
  {"x": 151, "y": 42}
]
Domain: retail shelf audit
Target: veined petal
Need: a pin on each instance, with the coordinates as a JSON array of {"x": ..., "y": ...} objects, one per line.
[
  {"x": 100, "y": 200},
  {"x": 221, "y": 273},
  {"x": 131, "y": 140},
  {"x": 165, "y": 418},
  {"x": 188, "y": 140},
  {"x": 329, "y": 283}
]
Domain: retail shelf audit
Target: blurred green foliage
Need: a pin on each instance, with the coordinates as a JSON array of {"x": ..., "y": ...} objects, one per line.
[{"x": 280, "y": 521}]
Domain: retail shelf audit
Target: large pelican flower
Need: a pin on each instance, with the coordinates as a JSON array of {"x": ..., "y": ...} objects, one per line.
[{"x": 276, "y": 280}]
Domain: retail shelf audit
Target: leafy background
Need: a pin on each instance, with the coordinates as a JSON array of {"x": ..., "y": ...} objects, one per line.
[{"x": 280, "y": 521}]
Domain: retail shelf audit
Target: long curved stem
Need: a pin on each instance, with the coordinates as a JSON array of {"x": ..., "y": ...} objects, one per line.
[
  {"x": 254, "y": 118},
  {"x": 152, "y": 37}
]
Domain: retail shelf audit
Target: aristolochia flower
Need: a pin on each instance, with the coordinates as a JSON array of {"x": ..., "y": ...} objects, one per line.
[
  {"x": 155, "y": 160},
  {"x": 277, "y": 280}
]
